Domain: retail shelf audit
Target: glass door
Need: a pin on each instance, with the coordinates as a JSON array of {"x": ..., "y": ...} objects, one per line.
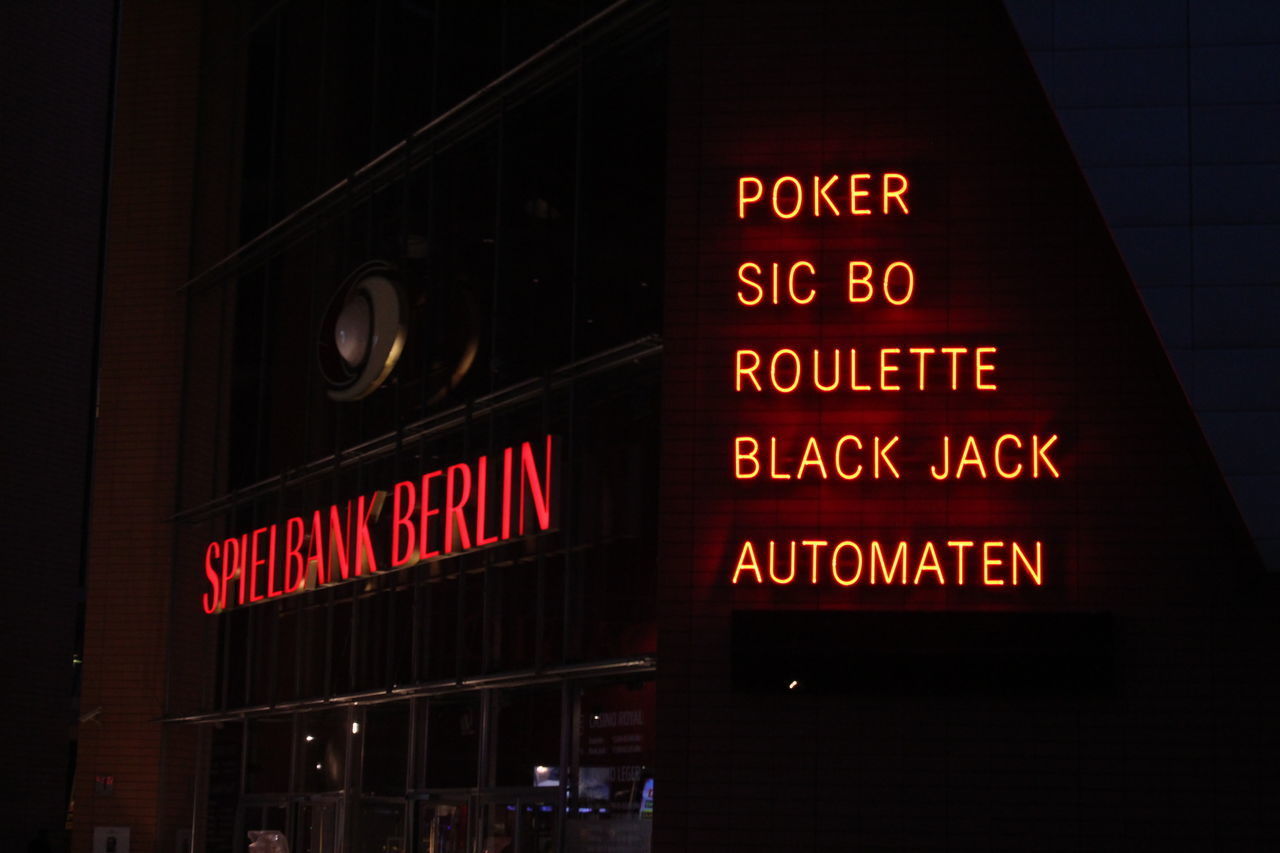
[
  {"x": 519, "y": 825},
  {"x": 259, "y": 813},
  {"x": 442, "y": 826},
  {"x": 317, "y": 828}
]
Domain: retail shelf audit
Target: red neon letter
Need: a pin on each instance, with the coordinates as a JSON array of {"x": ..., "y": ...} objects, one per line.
[
  {"x": 1039, "y": 456},
  {"x": 339, "y": 552},
  {"x": 855, "y": 194},
  {"x": 538, "y": 490},
  {"x": 791, "y": 283},
  {"x": 860, "y": 273},
  {"x": 482, "y": 493},
  {"x": 273, "y": 591},
  {"x": 453, "y": 508},
  {"x": 507, "y": 455},
  {"x": 1036, "y": 572},
  {"x": 212, "y": 604},
  {"x": 1017, "y": 469},
  {"x": 743, "y": 198},
  {"x": 888, "y": 572},
  {"x": 748, "y": 371},
  {"x": 403, "y": 501},
  {"x": 820, "y": 195},
  {"x": 750, "y": 455},
  {"x": 835, "y": 564},
  {"x": 979, "y": 368},
  {"x": 294, "y": 532},
  {"x": 777, "y": 185},
  {"x": 315, "y": 554},
  {"x": 989, "y": 562},
  {"x": 857, "y": 442},
  {"x": 755, "y": 285},
  {"x": 961, "y": 545},
  {"x": 897, "y": 192},
  {"x": 232, "y": 566},
  {"x": 364, "y": 545},
  {"x": 910, "y": 282},
  {"x": 773, "y": 370},
  {"x": 425, "y": 517},
  {"x": 747, "y": 563},
  {"x": 254, "y": 562}
]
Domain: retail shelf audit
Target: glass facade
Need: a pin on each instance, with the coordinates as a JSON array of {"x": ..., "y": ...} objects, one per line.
[{"x": 505, "y": 162}]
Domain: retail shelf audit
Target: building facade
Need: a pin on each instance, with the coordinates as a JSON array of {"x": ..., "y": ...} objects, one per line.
[{"x": 510, "y": 409}]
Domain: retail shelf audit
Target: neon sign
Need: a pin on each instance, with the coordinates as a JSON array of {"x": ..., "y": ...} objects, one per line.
[
  {"x": 817, "y": 393},
  {"x": 457, "y": 508}
]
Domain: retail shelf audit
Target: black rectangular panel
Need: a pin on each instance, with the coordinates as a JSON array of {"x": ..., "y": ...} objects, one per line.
[{"x": 922, "y": 653}]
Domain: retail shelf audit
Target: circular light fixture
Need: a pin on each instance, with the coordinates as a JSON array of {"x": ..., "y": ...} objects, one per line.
[
  {"x": 351, "y": 331},
  {"x": 362, "y": 333}
]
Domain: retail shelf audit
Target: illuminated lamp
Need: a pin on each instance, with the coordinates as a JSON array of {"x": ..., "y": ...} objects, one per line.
[{"x": 362, "y": 332}]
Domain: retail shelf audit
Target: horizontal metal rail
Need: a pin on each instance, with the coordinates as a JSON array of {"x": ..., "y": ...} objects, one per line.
[{"x": 641, "y": 665}]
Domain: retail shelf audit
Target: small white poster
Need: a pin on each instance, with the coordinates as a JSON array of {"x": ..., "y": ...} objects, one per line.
[{"x": 111, "y": 839}]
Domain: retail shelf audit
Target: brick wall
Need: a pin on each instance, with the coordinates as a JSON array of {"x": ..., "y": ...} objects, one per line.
[{"x": 136, "y": 449}]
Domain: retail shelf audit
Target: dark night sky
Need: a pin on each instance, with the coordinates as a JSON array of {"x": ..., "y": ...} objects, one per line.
[{"x": 55, "y": 67}]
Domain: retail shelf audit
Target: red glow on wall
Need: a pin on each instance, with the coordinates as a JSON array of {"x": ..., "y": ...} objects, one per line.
[{"x": 861, "y": 398}]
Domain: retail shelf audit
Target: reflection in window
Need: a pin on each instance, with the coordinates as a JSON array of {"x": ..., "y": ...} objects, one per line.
[
  {"x": 614, "y": 805},
  {"x": 379, "y": 827},
  {"x": 322, "y": 747}
]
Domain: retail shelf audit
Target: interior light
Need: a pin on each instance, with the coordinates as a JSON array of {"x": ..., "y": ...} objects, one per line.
[
  {"x": 351, "y": 332},
  {"x": 355, "y": 728},
  {"x": 310, "y": 738},
  {"x": 317, "y": 766},
  {"x": 793, "y": 685}
]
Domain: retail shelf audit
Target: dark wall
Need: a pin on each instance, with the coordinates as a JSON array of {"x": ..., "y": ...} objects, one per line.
[
  {"x": 54, "y": 99},
  {"x": 1117, "y": 699}
]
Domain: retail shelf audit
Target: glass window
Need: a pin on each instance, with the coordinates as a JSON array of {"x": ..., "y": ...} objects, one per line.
[
  {"x": 270, "y": 755},
  {"x": 526, "y": 736},
  {"x": 379, "y": 827},
  {"x": 286, "y": 630},
  {"x": 622, "y": 195},
  {"x": 322, "y": 747},
  {"x": 402, "y": 632},
  {"x": 443, "y": 827},
  {"x": 614, "y": 804},
  {"x": 470, "y": 45},
  {"x": 440, "y": 639},
  {"x": 534, "y": 307},
  {"x": 384, "y": 738},
  {"x": 452, "y": 742},
  {"x": 533, "y": 24},
  {"x": 225, "y": 753},
  {"x": 373, "y": 623},
  {"x": 514, "y": 615},
  {"x": 406, "y": 73},
  {"x": 313, "y": 662},
  {"x": 454, "y": 319}
]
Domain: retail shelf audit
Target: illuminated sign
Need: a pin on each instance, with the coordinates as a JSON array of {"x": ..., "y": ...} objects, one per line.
[
  {"x": 819, "y": 427},
  {"x": 457, "y": 508}
]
